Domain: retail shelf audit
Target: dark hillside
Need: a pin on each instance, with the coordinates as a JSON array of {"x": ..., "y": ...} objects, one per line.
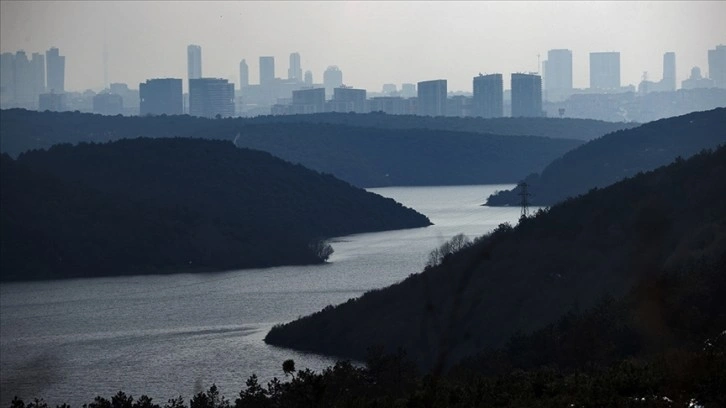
[
  {"x": 520, "y": 279},
  {"x": 370, "y": 157},
  {"x": 621, "y": 154},
  {"x": 248, "y": 208}
]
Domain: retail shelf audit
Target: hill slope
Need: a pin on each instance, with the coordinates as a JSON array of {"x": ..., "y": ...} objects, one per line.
[
  {"x": 370, "y": 157},
  {"x": 624, "y": 153},
  {"x": 520, "y": 279},
  {"x": 239, "y": 207}
]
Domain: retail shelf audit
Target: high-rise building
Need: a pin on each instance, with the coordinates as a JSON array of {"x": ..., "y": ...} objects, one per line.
[
  {"x": 408, "y": 90},
  {"x": 526, "y": 95},
  {"x": 558, "y": 75},
  {"x": 295, "y": 72},
  {"x": 37, "y": 65},
  {"x": 305, "y": 101},
  {"x": 267, "y": 70},
  {"x": 488, "y": 100},
  {"x": 308, "y": 78},
  {"x": 23, "y": 80},
  {"x": 7, "y": 78},
  {"x": 349, "y": 100},
  {"x": 56, "y": 69},
  {"x": 717, "y": 66},
  {"x": 432, "y": 97},
  {"x": 604, "y": 70},
  {"x": 161, "y": 97},
  {"x": 244, "y": 74},
  {"x": 106, "y": 103},
  {"x": 668, "y": 83},
  {"x": 194, "y": 62},
  {"x": 332, "y": 78},
  {"x": 209, "y": 97}
]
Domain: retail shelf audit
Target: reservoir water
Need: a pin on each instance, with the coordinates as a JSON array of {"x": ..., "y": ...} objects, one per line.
[{"x": 170, "y": 335}]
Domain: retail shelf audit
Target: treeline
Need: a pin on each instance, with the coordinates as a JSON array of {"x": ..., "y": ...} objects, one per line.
[
  {"x": 22, "y": 130},
  {"x": 161, "y": 205},
  {"x": 369, "y": 157},
  {"x": 618, "y": 155},
  {"x": 520, "y": 279}
]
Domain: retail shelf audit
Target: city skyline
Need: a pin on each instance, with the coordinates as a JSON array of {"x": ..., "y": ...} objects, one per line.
[{"x": 372, "y": 43}]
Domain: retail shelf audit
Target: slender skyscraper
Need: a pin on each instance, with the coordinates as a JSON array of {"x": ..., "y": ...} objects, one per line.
[
  {"x": 558, "y": 74},
  {"x": 332, "y": 78},
  {"x": 267, "y": 70},
  {"x": 244, "y": 74},
  {"x": 56, "y": 70},
  {"x": 308, "y": 78},
  {"x": 194, "y": 61},
  {"x": 37, "y": 65},
  {"x": 295, "y": 72},
  {"x": 717, "y": 66},
  {"x": 669, "y": 72}
]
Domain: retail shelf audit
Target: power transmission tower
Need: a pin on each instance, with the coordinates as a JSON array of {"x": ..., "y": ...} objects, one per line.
[{"x": 525, "y": 201}]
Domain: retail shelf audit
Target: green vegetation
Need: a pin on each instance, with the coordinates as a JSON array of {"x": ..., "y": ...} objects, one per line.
[
  {"x": 164, "y": 205},
  {"x": 621, "y": 154},
  {"x": 520, "y": 279}
]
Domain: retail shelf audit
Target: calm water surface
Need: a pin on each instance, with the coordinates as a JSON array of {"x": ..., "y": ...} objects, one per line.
[{"x": 165, "y": 336}]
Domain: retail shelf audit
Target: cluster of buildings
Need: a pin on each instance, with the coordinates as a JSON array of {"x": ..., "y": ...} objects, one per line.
[{"x": 38, "y": 83}]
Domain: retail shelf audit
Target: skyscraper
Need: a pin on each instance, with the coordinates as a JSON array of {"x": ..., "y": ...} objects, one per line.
[
  {"x": 7, "y": 78},
  {"x": 194, "y": 62},
  {"x": 23, "y": 80},
  {"x": 305, "y": 101},
  {"x": 526, "y": 95},
  {"x": 56, "y": 69},
  {"x": 244, "y": 74},
  {"x": 604, "y": 70},
  {"x": 295, "y": 72},
  {"x": 37, "y": 65},
  {"x": 308, "y": 78},
  {"x": 488, "y": 97},
  {"x": 432, "y": 97},
  {"x": 161, "y": 97},
  {"x": 209, "y": 97},
  {"x": 267, "y": 70},
  {"x": 668, "y": 83},
  {"x": 332, "y": 78},
  {"x": 717, "y": 66},
  {"x": 558, "y": 74}
]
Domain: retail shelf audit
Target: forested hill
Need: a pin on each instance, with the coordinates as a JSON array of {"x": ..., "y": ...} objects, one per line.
[
  {"x": 621, "y": 154},
  {"x": 521, "y": 279},
  {"x": 565, "y": 128},
  {"x": 22, "y": 130},
  {"x": 370, "y": 157},
  {"x": 155, "y": 204}
]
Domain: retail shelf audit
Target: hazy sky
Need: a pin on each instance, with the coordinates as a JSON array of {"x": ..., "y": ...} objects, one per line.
[{"x": 373, "y": 42}]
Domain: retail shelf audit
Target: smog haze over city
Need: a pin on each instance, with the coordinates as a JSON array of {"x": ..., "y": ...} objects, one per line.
[{"x": 372, "y": 42}]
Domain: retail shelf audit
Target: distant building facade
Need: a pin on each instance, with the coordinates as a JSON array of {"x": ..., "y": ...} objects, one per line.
[
  {"x": 431, "y": 97},
  {"x": 488, "y": 99},
  {"x": 526, "y": 95},
  {"x": 717, "y": 66},
  {"x": 244, "y": 74},
  {"x": 54, "y": 102},
  {"x": 305, "y": 101},
  {"x": 348, "y": 100},
  {"x": 56, "y": 69},
  {"x": 332, "y": 78},
  {"x": 106, "y": 103},
  {"x": 558, "y": 75},
  {"x": 295, "y": 71},
  {"x": 209, "y": 97},
  {"x": 604, "y": 70},
  {"x": 161, "y": 97},
  {"x": 194, "y": 61},
  {"x": 669, "y": 72},
  {"x": 696, "y": 80},
  {"x": 267, "y": 70}
]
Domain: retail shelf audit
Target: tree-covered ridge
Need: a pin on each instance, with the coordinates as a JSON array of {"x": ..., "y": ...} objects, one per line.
[
  {"x": 371, "y": 157},
  {"x": 520, "y": 279},
  {"x": 140, "y": 204},
  {"x": 22, "y": 130},
  {"x": 621, "y": 154}
]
